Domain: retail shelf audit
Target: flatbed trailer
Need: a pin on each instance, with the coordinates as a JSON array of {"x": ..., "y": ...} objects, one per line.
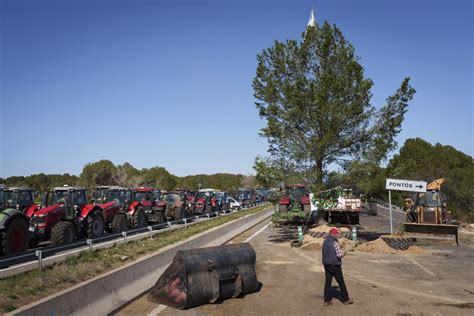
[{"x": 342, "y": 216}]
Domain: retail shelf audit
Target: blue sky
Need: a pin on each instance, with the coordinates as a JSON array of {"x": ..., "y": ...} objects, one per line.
[{"x": 168, "y": 83}]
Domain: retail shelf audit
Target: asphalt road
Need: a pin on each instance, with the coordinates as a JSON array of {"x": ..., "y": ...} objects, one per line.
[{"x": 441, "y": 283}]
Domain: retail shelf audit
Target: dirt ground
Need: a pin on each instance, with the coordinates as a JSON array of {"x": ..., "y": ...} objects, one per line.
[{"x": 440, "y": 282}]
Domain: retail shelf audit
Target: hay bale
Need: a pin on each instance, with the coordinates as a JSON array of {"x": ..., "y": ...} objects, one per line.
[
  {"x": 347, "y": 244},
  {"x": 321, "y": 229},
  {"x": 314, "y": 245}
]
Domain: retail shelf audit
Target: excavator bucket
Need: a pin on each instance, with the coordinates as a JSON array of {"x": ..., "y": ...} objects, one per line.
[
  {"x": 433, "y": 229},
  {"x": 200, "y": 276}
]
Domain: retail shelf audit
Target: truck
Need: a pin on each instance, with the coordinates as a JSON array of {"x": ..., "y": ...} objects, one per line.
[{"x": 339, "y": 206}]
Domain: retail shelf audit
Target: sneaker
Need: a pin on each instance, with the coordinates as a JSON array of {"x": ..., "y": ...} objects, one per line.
[
  {"x": 349, "y": 301},
  {"x": 328, "y": 303}
]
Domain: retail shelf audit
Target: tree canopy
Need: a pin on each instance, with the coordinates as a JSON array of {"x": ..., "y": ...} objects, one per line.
[
  {"x": 316, "y": 101},
  {"x": 104, "y": 172}
]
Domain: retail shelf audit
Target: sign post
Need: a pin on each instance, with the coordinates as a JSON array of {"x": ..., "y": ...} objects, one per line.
[{"x": 402, "y": 185}]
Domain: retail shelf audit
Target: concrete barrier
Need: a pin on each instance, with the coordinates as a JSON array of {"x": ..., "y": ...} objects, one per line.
[{"x": 105, "y": 293}]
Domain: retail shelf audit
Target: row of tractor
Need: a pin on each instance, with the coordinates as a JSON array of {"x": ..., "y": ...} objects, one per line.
[{"x": 65, "y": 214}]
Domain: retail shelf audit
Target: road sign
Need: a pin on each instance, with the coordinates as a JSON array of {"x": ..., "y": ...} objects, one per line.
[{"x": 405, "y": 185}]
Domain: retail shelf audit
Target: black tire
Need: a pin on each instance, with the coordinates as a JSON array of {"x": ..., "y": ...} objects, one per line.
[
  {"x": 208, "y": 209},
  {"x": 179, "y": 213},
  {"x": 15, "y": 238},
  {"x": 62, "y": 233},
  {"x": 34, "y": 242},
  {"x": 119, "y": 223},
  {"x": 160, "y": 217},
  {"x": 95, "y": 225},
  {"x": 139, "y": 218}
]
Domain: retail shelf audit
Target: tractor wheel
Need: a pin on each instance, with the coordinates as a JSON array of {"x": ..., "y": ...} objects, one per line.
[
  {"x": 15, "y": 238},
  {"x": 208, "y": 209},
  {"x": 95, "y": 225},
  {"x": 139, "y": 218},
  {"x": 119, "y": 223},
  {"x": 62, "y": 233},
  {"x": 179, "y": 213},
  {"x": 34, "y": 242},
  {"x": 160, "y": 217}
]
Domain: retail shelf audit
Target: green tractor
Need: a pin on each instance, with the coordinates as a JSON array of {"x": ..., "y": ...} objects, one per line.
[{"x": 14, "y": 233}]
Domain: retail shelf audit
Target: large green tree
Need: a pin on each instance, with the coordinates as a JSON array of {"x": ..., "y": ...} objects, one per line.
[
  {"x": 316, "y": 101},
  {"x": 158, "y": 177},
  {"x": 101, "y": 172},
  {"x": 419, "y": 160}
]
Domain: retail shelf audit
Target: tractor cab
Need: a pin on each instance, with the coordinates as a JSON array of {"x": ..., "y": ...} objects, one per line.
[
  {"x": 17, "y": 198},
  {"x": 73, "y": 199},
  {"x": 104, "y": 194},
  {"x": 146, "y": 195}
]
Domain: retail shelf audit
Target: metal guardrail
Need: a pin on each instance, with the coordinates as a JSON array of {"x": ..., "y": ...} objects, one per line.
[
  {"x": 386, "y": 205},
  {"x": 40, "y": 254}
]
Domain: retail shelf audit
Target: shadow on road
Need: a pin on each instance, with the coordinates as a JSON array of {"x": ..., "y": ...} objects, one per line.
[{"x": 284, "y": 234}]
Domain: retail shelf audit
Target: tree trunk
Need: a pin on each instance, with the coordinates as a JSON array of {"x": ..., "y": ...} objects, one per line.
[{"x": 319, "y": 173}]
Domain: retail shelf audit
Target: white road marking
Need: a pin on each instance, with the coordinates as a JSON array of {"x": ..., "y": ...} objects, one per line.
[
  {"x": 157, "y": 310},
  {"x": 431, "y": 273},
  {"x": 257, "y": 232}
]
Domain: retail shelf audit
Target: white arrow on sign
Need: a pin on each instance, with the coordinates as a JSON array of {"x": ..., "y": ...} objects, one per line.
[{"x": 405, "y": 185}]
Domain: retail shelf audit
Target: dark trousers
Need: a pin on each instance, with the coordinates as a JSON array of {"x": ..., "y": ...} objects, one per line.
[{"x": 336, "y": 272}]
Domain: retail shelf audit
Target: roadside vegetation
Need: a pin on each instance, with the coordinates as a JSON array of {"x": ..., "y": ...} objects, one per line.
[
  {"x": 104, "y": 172},
  {"x": 33, "y": 285}
]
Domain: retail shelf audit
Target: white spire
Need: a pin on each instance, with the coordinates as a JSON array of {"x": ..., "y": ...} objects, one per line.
[{"x": 312, "y": 20}]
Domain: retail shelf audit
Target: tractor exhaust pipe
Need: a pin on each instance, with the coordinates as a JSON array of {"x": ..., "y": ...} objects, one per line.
[{"x": 201, "y": 276}]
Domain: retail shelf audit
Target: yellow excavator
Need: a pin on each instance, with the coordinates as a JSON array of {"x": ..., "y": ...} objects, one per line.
[{"x": 428, "y": 213}]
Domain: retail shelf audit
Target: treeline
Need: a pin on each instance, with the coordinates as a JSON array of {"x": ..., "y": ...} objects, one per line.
[
  {"x": 417, "y": 160},
  {"x": 104, "y": 172}
]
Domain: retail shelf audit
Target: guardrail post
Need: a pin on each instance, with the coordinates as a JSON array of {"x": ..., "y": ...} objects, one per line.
[
  {"x": 89, "y": 242},
  {"x": 185, "y": 223},
  {"x": 124, "y": 234},
  {"x": 150, "y": 229},
  {"x": 217, "y": 214},
  {"x": 39, "y": 254},
  {"x": 208, "y": 217},
  {"x": 169, "y": 224}
]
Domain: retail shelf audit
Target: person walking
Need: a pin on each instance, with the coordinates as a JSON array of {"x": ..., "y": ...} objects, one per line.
[{"x": 332, "y": 261}]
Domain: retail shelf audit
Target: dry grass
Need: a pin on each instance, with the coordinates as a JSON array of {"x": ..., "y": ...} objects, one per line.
[{"x": 33, "y": 285}]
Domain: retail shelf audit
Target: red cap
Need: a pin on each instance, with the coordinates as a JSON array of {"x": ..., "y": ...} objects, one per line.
[{"x": 334, "y": 231}]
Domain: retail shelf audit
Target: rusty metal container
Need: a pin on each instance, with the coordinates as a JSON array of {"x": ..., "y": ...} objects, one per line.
[{"x": 200, "y": 276}]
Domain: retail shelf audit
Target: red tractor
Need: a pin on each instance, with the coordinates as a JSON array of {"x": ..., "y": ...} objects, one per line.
[
  {"x": 121, "y": 195},
  {"x": 144, "y": 204},
  {"x": 295, "y": 196},
  {"x": 206, "y": 202},
  {"x": 65, "y": 216}
]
